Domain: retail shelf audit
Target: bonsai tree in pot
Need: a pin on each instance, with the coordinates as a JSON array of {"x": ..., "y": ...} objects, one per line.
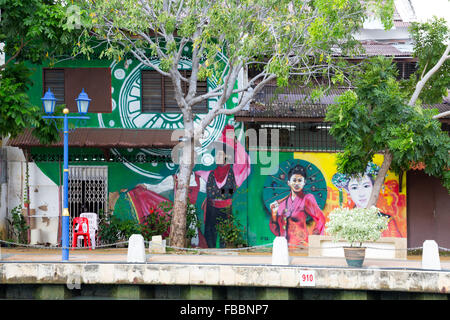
[{"x": 356, "y": 226}]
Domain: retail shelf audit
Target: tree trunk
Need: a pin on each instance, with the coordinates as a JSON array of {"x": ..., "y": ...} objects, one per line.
[
  {"x": 186, "y": 164},
  {"x": 380, "y": 179}
]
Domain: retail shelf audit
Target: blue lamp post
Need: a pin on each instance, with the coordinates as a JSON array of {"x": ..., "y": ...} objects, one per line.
[{"x": 49, "y": 103}]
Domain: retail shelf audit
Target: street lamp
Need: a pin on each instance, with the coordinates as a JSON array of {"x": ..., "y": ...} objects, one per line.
[{"x": 49, "y": 103}]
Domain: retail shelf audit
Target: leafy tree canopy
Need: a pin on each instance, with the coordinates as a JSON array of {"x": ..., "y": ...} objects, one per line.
[
  {"x": 32, "y": 31},
  {"x": 430, "y": 41},
  {"x": 375, "y": 117}
]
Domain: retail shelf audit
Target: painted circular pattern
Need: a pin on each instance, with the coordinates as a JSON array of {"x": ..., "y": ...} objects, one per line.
[{"x": 127, "y": 113}]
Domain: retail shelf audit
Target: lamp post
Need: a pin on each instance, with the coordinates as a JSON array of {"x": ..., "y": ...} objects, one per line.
[{"x": 49, "y": 103}]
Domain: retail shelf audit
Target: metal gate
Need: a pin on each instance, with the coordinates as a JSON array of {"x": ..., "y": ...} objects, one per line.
[{"x": 88, "y": 189}]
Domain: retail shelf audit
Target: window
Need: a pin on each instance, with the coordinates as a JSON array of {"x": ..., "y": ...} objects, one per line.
[
  {"x": 305, "y": 136},
  {"x": 88, "y": 189},
  {"x": 67, "y": 83},
  {"x": 158, "y": 94},
  {"x": 405, "y": 69},
  {"x": 54, "y": 79}
]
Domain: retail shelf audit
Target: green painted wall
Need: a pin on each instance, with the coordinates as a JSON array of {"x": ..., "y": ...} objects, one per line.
[{"x": 251, "y": 200}]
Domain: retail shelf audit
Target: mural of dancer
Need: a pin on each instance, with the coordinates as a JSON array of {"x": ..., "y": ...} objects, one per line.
[
  {"x": 233, "y": 168},
  {"x": 359, "y": 189},
  {"x": 219, "y": 185},
  {"x": 289, "y": 215}
]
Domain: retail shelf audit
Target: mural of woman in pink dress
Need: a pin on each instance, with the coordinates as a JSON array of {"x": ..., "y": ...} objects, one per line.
[{"x": 289, "y": 214}]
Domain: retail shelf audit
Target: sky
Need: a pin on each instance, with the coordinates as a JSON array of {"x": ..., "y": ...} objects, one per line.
[{"x": 427, "y": 8}]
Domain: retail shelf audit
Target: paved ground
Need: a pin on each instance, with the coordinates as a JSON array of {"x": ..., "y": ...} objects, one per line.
[{"x": 119, "y": 255}]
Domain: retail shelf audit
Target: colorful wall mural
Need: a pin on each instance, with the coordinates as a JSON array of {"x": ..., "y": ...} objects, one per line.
[{"x": 296, "y": 200}]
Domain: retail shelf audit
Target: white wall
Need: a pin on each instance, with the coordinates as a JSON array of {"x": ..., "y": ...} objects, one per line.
[
  {"x": 44, "y": 198},
  {"x": 380, "y": 34}
]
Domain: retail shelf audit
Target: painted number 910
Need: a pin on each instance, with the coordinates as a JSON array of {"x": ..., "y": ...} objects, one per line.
[{"x": 308, "y": 278}]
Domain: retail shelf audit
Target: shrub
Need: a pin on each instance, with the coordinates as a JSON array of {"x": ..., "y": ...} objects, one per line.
[
  {"x": 18, "y": 225},
  {"x": 231, "y": 232}
]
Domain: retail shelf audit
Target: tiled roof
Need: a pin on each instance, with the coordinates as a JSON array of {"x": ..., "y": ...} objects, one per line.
[
  {"x": 373, "y": 48},
  {"x": 296, "y": 103},
  {"x": 103, "y": 138},
  {"x": 383, "y": 50}
]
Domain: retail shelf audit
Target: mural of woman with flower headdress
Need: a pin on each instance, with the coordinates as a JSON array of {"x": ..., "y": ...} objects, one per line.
[{"x": 359, "y": 188}]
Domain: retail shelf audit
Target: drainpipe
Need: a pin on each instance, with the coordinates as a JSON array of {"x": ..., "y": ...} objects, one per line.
[{"x": 27, "y": 186}]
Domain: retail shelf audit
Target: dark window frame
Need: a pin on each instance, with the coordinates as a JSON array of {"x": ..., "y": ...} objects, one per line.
[
  {"x": 304, "y": 136},
  {"x": 166, "y": 82},
  {"x": 45, "y": 87},
  {"x": 100, "y": 94}
]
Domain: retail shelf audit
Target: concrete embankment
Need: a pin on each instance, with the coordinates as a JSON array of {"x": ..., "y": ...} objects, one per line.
[{"x": 172, "y": 276}]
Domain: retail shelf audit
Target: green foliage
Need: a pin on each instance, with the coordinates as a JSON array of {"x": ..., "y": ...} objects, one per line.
[
  {"x": 18, "y": 226},
  {"x": 159, "y": 219},
  {"x": 280, "y": 35},
  {"x": 17, "y": 113},
  {"x": 375, "y": 117},
  {"x": 157, "y": 222},
  {"x": 231, "y": 232},
  {"x": 356, "y": 225},
  {"x": 113, "y": 230},
  {"x": 430, "y": 40},
  {"x": 34, "y": 30},
  {"x": 192, "y": 222}
]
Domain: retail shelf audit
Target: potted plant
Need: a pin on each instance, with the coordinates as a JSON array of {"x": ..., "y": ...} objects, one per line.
[{"x": 356, "y": 226}]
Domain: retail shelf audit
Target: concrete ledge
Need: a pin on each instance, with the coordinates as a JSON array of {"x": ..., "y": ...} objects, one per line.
[
  {"x": 384, "y": 248},
  {"x": 75, "y": 274}
]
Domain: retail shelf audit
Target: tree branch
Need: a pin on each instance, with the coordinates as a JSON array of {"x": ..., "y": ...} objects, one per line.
[
  {"x": 441, "y": 115},
  {"x": 22, "y": 45},
  {"x": 428, "y": 75}
]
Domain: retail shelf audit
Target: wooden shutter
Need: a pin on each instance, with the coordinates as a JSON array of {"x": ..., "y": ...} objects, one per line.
[
  {"x": 53, "y": 79},
  {"x": 96, "y": 82},
  {"x": 151, "y": 91},
  {"x": 158, "y": 93},
  {"x": 170, "y": 103},
  {"x": 203, "y": 106}
]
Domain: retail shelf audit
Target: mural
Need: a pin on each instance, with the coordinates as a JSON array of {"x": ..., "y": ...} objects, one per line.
[
  {"x": 211, "y": 190},
  {"x": 294, "y": 201},
  {"x": 292, "y": 197},
  {"x": 297, "y": 199},
  {"x": 359, "y": 190}
]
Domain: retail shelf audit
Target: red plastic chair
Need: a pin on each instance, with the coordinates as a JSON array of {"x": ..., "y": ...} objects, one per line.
[{"x": 81, "y": 228}]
